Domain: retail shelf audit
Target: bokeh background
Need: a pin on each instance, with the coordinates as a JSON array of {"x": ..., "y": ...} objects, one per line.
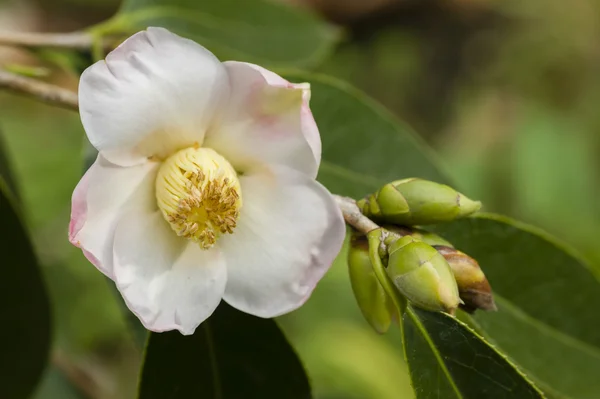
[{"x": 507, "y": 93}]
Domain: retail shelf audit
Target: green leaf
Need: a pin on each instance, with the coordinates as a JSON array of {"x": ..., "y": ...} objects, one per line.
[
  {"x": 234, "y": 29},
  {"x": 231, "y": 355},
  {"x": 448, "y": 360},
  {"x": 547, "y": 299},
  {"x": 364, "y": 145},
  {"x": 25, "y": 332},
  {"x": 5, "y": 169}
]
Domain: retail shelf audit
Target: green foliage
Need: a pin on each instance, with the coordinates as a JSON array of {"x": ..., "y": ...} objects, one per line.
[
  {"x": 364, "y": 146},
  {"x": 547, "y": 302},
  {"x": 25, "y": 332},
  {"x": 554, "y": 294},
  {"x": 233, "y": 29},
  {"x": 448, "y": 360},
  {"x": 6, "y": 174},
  {"x": 343, "y": 359},
  {"x": 231, "y": 355}
]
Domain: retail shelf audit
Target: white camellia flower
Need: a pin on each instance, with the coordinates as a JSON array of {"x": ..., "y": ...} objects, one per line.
[{"x": 204, "y": 187}]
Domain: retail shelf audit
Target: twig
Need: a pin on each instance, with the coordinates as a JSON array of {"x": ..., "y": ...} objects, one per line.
[
  {"x": 353, "y": 215},
  {"x": 45, "y": 92},
  {"x": 75, "y": 40},
  {"x": 83, "y": 380}
]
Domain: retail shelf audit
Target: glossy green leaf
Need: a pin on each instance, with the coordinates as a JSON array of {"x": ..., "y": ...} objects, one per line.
[
  {"x": 547, "y": 299},
  {"x": 364, "y": 145},
  {"x": 234, "y": 29},
  {"x": 231, "y": 355},
  {"x": 25, "y": 332},
  {"x": 448, "y": 360}
]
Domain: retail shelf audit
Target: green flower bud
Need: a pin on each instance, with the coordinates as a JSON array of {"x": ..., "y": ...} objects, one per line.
[
  {"x": 473, "y": 286},
  {"x": 374, "y": 303},
  {"x": 415, "y": 201},
  {"x": 422, "y": 275},
  {"x": 422, "y": 235}
]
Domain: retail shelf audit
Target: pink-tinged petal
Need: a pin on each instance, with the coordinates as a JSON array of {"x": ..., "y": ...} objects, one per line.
[
  {"x": 166, "y": 280},
  {"x": 264, "y": 124},
  {"x": 155, "y": 93},
  {"x": 103, "y": 195},
  {"x": 78, "y": 218},
  {"x": 79, "y": 206},
  {"x": 309, "y": 126},
  {"x": 289, "y": 232}
]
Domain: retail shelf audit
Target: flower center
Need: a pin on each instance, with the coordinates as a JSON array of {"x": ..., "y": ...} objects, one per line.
[{"x": 199, "y": 194}]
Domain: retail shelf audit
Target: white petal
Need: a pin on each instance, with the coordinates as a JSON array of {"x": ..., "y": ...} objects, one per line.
[
  {"x": 309, "y": 126},
  {"x": 155, "y": 93},
  {"x": 289, "y": 232},
  {"x": 167, "y": 281},
  {"x": 264, "y": 124},
  {"x": 103, "y": 195}
]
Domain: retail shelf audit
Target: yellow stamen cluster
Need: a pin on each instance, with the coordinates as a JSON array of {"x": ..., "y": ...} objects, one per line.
[{"x": 199, "y": 194}]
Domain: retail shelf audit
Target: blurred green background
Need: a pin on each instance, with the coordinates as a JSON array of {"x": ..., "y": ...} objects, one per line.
[{"x": 507, "y": 92}]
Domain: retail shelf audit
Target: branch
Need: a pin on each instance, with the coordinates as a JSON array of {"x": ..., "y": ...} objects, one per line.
[
  {"x": 58, "y": 96},
  {"x": 353, "y": 216},
  {"x": 75, "y": 40},
  {"x": 44, "y": 92},
  {"x": 81, "y": 378}
]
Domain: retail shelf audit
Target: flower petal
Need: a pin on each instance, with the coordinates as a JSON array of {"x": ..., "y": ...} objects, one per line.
[
  {"x": 155, "y": 93},
  {"x": 309, "y": 126},
  {"x": 289, "y": 232},
  {"x": 265, "y": 124},
  {"x": 103, "y": 195},
  {"x": 167, "y": 281}
]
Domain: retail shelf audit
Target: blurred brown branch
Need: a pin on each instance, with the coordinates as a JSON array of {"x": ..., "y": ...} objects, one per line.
[
  {"x": 75, "y": 40},
  {"x": 82, "y": 379},
  {"x": 42, "y": 91}
]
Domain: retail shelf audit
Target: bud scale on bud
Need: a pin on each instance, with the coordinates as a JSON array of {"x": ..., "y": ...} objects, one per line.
[{"x": 473, "y": 286}]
